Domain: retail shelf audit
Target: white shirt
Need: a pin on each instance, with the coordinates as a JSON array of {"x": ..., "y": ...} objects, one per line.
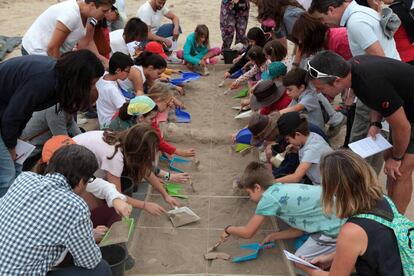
[
  {"x": 39, "y": 34},
  {"x": 93, "y": 141},
  {"x": 150, "y": 17},
  {"x": 117, "y": 42},
  {"x": 103, "y": 189},
  {"x": 109, "y": 101},
  {"x": 128, "y": 85}
]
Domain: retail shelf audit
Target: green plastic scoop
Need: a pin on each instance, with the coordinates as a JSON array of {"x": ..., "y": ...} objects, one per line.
[
  {"x": 242, "y": 93},
  {"x": 120, "y": 232},
  {"x": 174, "y": 190}
]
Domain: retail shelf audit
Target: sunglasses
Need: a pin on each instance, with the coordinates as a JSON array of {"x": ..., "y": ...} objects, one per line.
[
  {"x": 92, "y": 179},
  {"x": 314, "y": 73}
]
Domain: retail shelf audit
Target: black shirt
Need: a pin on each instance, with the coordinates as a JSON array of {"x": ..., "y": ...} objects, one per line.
[
  {"x": 27, "y": 84},
  {"x": 382, "y": 256},
  {"x": 384, "y": 84}
]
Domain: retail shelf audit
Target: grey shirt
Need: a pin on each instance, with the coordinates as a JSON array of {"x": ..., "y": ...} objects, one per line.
[
  {"x": 290, "y": 16},
  {"x": 311, "y": 152},
  {"x": 47, "y": 123},
  {"x": 309, "y": 99}
]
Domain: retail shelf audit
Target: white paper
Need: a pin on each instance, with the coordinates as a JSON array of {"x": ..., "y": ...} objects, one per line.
[
  {"x": 368, "y": 146},
  {"x": 23, "y": 151},
  {"x": 298, "y": 260}
]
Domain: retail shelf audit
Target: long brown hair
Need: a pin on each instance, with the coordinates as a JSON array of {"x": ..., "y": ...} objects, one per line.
[
  {"x": 139, "y": 145},
  {"x": 349, "y": 184},
  {"x": 202, "y": 30},
  {"x": 274, "y": 9},
  {"x": 309, "y": 33}
]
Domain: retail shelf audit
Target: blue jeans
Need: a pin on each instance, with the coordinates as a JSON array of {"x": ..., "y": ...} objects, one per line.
[
  {"x": 166, "y": 30},
  {"x": 102, "y": 269},
  {"x": 7, "y": 168}
]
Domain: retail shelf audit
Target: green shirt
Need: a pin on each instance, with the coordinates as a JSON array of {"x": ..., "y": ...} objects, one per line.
[{"x": 299, "y": 206}]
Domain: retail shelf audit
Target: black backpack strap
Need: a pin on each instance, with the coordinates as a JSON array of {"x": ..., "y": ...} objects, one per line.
[{"x": 408, "y": 235}]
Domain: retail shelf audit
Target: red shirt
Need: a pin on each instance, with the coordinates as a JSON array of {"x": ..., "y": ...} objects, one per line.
[
  {"x": 163, "y": 145},
  {"x": 280, "y": 104},
  {"x": 337, "y": 41},
  {"x": 404, "y": 46}
]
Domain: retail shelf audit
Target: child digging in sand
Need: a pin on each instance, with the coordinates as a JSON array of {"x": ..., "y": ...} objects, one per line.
[
  {"x": 197, "y": 52},
  {"x": 298, "y": 205}
]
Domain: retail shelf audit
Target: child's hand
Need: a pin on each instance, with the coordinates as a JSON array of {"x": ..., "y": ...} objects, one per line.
[
  {"x": 244, "y": 102},
  {"x": 153, "y": 208},
  {"x": 186, "y": 153},
  {"x": 173, "y": 202},
  {"x": 203, "y": 62},
  {"x": 234, "y": 85},
  {"x": 121, "y": 207},
  {"x": 180, "y": 90},
  {"x": 227, "y": 75},
  {"x": 180, "y": 177},
  {"x": 233, "y": 137},
  {"x": 178, "y": 103},
  {"x": 291, "y": 148},
  {"x": 99, "y": 232},
  {"x": 269, "y": 238}
]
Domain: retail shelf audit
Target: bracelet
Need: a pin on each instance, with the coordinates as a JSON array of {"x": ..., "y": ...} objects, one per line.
[
  {"x": 167, "y": 176},
  {"x": 226, "y": 228},
  {"x": 396, "y": 158},
  {"x": 376, "y": 124}
]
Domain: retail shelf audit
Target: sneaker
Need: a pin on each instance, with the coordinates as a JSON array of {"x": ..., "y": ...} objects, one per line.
[
  {"x": 332, "y": 131},
  {"x": 173, "y": 59}
]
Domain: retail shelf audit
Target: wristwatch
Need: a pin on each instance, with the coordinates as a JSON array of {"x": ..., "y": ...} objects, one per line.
[{"x": 377, "y": 124}]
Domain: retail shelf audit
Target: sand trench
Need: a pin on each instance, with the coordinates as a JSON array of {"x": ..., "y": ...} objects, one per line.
[{"x": 157, "y": 246}]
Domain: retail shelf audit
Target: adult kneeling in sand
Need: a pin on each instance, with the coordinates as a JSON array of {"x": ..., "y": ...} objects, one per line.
[
  {"x": 34, "y": 83},
  {"x": 151, "y": 13}
]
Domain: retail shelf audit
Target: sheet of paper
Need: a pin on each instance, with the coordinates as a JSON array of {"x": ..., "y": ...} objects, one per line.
[
  {"x": 298, "y": 260},
  {"x": 23, "y": 151},
  {"x": 368, "y": 146}
]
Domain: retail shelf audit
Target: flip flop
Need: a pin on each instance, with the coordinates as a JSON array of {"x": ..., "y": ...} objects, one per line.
[
  {"x": 244, "y": 136},
  {"x": 182, "y": 116}
]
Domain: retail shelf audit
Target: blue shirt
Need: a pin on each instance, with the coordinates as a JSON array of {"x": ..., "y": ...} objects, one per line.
[
  {"x": 41, "y": 217},
  {"x": 299, "y": 206}
]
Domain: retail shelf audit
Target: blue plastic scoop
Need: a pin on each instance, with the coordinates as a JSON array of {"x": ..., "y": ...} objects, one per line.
[
  {"x": 190, "y": 76},
  {"x": 237, "y": 74},
  {"x": 252, "y": 246},
  {"x": 244, "y": 136},
  {"x": 182, "y": 116}
]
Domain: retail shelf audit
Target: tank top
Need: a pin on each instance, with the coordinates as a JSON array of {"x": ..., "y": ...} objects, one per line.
[{"x": 382, "y": 256}]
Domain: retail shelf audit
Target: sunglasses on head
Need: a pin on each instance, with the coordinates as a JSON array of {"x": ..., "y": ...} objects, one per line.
[{"x": 314, "y": 73}]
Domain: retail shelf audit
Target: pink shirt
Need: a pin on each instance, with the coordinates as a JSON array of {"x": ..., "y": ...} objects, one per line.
[{"x": 337, "y": 41}]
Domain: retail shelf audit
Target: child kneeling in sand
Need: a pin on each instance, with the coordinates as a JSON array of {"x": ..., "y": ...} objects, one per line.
[
  {"x": 309, "y": 145},
  {"x": 298, "y": 205}
]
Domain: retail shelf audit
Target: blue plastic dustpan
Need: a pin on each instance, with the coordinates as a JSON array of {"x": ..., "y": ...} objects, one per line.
[
  {"x": 175, "y": 169},
  {"x": 190, "y": 76},
  {"x": 179, "y": 81},
  {"x": 177, "y": 159},
  {"x": 252, "y": 246},
  {"x": 237, "y": 74},
  {"x": 244, "y": 136},
  {"x": 182, "y": 116}
]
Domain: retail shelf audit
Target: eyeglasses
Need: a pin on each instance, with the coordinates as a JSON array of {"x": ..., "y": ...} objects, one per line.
[
  {"x": 314, "y": 73},
  {"x": 92, "y": 179}
]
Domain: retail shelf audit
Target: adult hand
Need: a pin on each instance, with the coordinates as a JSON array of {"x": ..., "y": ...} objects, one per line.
[
  {"x": 306, "y": 269},
  {"x": 173, "y": 202},
  {"x": 373, "y": 131},
  {"x": 226, "y": 75},
  {"x": 180, "y": 177},
  {"x": 392, "y": 168},
  {"x": 121, "y": 207},
  {"x": 99, "y": 232},
  {"x": 269, "y": 238},
  {"x": 167, "y": 42},
  {"x": 13, "y": 153},
  {"x": 224, "y": 237},
  {"x": 153, "y": 208},
  {"x": 176, "y": 33}
]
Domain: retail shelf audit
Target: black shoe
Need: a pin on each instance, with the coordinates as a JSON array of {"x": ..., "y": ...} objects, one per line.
[{"x": 91, "y": 115}]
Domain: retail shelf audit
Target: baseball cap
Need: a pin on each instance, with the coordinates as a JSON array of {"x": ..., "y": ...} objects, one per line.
[
  {"x": 155, "y": 48},
  {"x": 140, "y": 105},
  {"x": 274, "y": 70},
  {"x": 288, "y": 123},
  {"x": 53, "y": 144}
]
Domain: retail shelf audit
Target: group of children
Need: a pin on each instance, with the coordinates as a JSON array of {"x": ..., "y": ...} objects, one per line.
[{"x": 322, "y": 194}]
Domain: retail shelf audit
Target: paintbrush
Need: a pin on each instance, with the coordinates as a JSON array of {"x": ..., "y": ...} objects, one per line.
[
  {"x": 211, "y": 249},
  {"x": 192, "y": 186}
]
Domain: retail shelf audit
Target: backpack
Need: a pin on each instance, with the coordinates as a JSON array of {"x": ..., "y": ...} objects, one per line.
[{"x": 402, "y": 228}]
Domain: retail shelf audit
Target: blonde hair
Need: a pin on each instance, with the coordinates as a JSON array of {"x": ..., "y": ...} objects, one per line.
[
  {"x": 349, "y": 184},
  {"x": 160, "y": 92}
]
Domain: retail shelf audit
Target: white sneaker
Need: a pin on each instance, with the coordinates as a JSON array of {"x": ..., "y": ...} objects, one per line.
[{"x": 173, "y": 59}]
